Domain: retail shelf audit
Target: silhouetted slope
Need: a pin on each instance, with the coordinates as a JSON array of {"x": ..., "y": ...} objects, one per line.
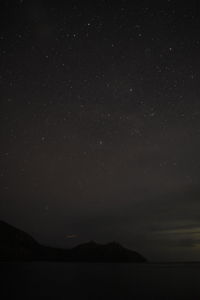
[
  {"x": 15, "y": 243},
  {"x": 18, "y": 245},
  {"x": 112, "y": 252}
]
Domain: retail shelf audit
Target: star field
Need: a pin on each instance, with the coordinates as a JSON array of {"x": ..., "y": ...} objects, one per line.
[{"x": 100, "y": 127}]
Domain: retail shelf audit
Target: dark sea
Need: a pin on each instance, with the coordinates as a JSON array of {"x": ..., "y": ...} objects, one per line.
[{"x": 71, "y": 281}]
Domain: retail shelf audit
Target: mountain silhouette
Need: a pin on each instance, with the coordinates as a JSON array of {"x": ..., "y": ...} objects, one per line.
[
  {"x": 111, "y": 252},
  {"x": 15, "y": 244}
]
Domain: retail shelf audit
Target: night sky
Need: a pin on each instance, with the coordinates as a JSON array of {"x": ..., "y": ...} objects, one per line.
[{"x": 100, "y": 123}]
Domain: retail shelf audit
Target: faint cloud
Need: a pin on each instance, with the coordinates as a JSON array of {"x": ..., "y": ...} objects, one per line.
[
  {"x": 181, "y": 237},
  {"x": 71, "y": 236}
]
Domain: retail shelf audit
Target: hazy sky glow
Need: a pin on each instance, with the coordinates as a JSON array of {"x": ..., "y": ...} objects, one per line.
[{"x": 100, "y": 123}]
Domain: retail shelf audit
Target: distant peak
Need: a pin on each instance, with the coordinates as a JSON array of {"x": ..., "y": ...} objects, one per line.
[
  {"x": 92, "y": 242},
  {"x": 114, "y": 244},
  {"x": 3, "y": 222}
]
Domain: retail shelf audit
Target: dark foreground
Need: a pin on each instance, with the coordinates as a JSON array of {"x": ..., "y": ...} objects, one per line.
[{"x": 99, "y": 281}]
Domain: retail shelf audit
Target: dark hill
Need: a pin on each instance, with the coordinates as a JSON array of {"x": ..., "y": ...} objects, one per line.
[
  {"x": 15, "y": 244},
  {"x": 111, "y": 252}
]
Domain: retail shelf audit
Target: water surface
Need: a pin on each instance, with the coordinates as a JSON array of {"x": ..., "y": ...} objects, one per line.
[{"x": 39, "y": 280}]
